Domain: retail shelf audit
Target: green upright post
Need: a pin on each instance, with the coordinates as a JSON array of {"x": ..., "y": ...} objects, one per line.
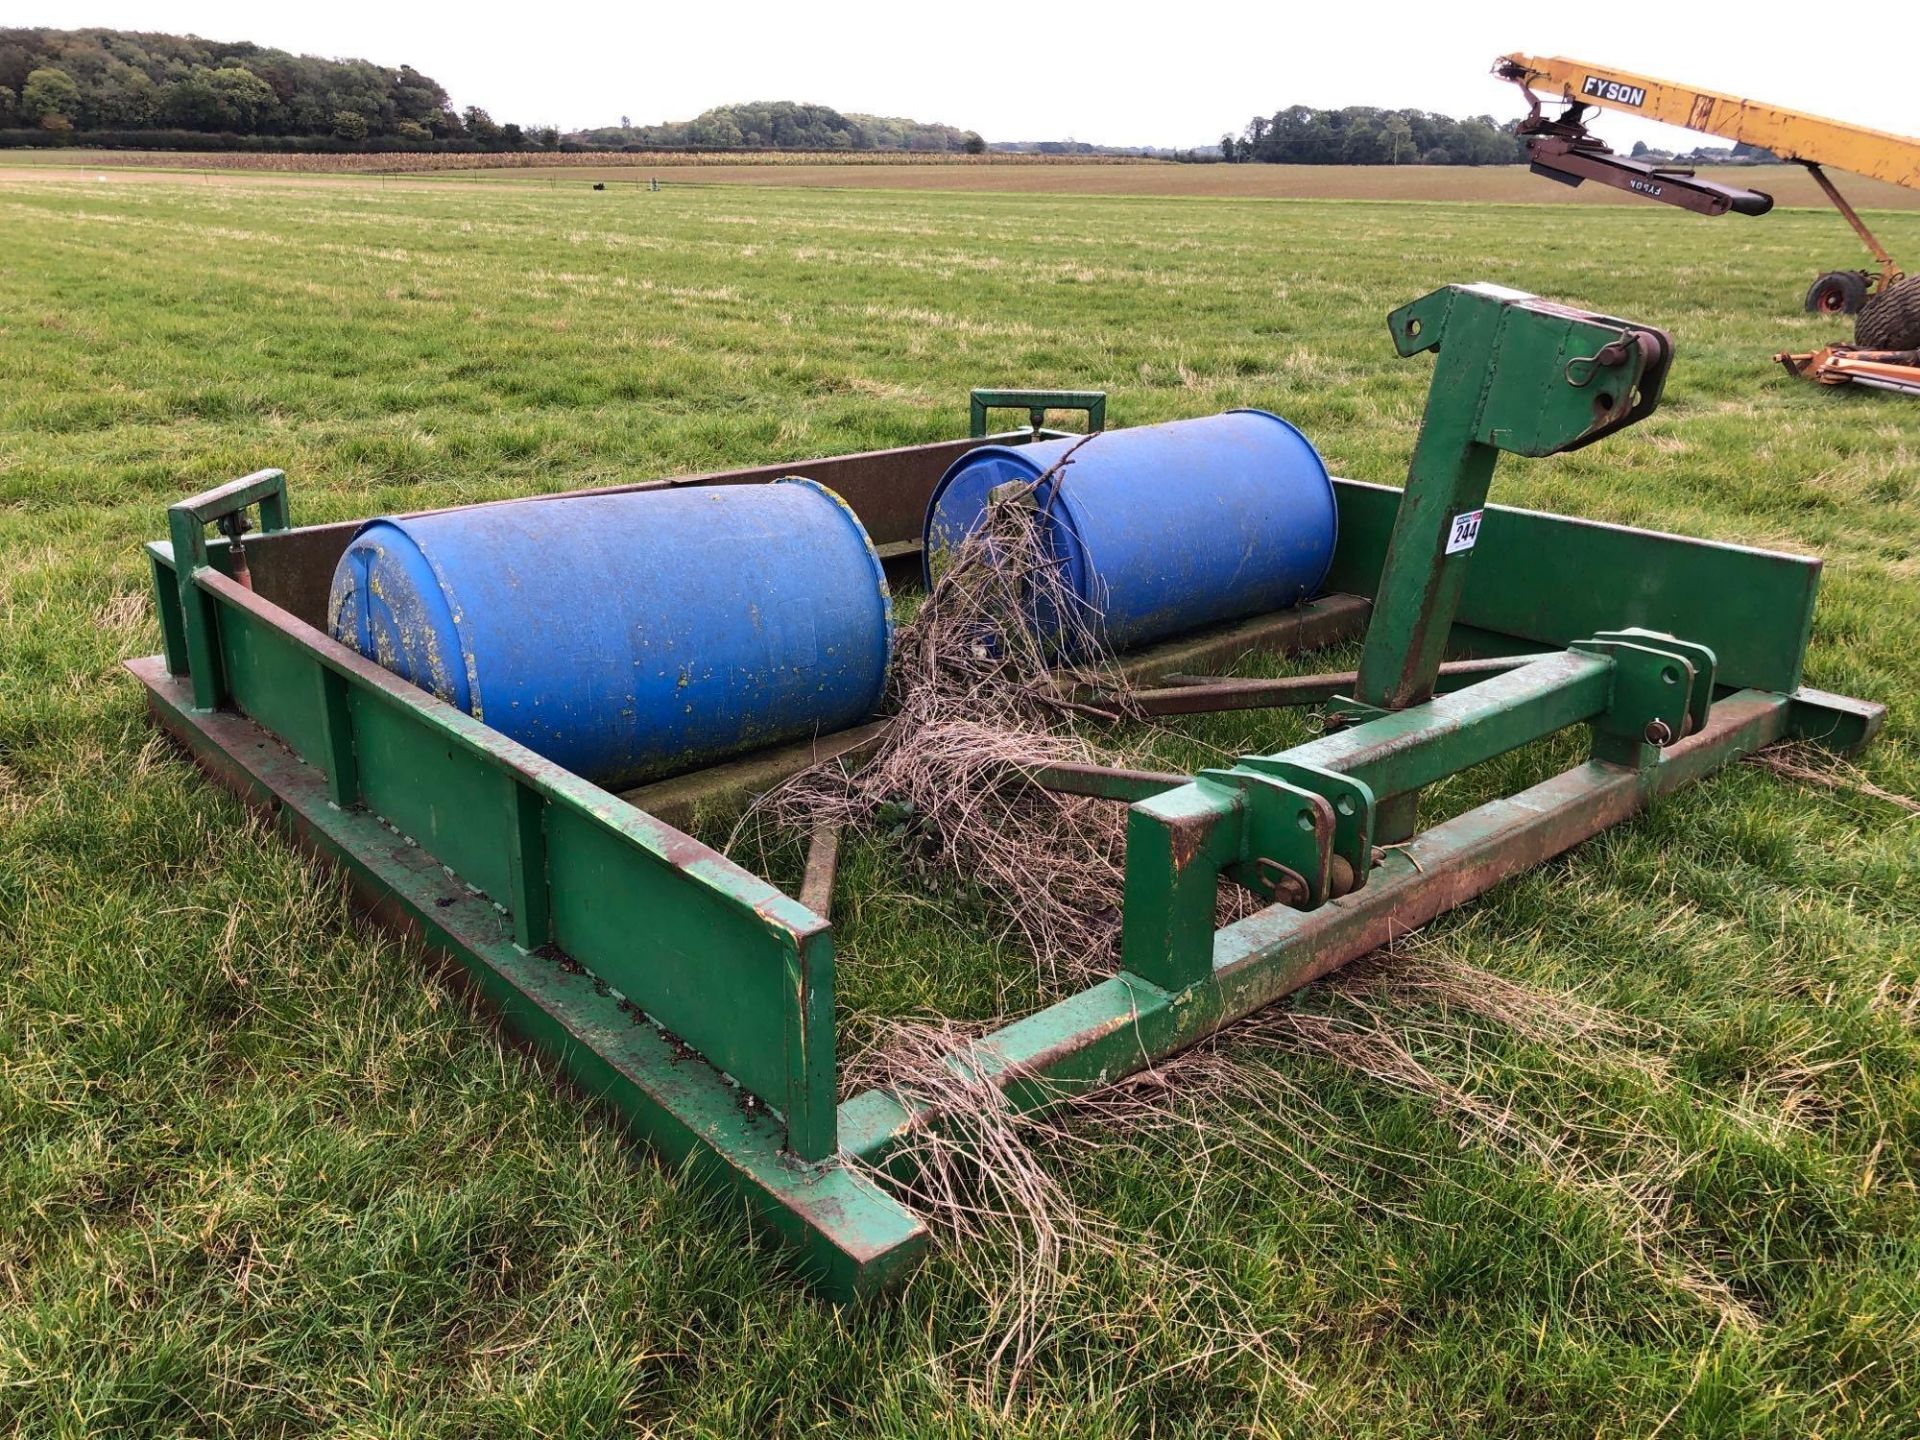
[
  {"x": 1451, "y": 469},
  {"x": 1513, "y": 373}
]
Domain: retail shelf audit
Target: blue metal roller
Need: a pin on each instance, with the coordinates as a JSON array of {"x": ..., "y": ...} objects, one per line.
[
  {"x": 633, "y": 635},
  {"x": 1163, "y": 528}
]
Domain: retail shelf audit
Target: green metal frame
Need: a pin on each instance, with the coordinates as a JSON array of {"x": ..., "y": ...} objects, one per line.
[
  {"x": 1036, "y": 403},
  {"x": 696, "y": 1000}
]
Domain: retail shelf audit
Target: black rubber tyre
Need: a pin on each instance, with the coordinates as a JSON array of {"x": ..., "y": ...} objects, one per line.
[
  {"x": 1891, "y": 319},
  {"x": 1838, "y": 292}
]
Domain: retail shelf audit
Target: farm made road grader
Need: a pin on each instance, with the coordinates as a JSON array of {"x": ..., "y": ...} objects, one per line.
[{"x": 696, "y": 999}]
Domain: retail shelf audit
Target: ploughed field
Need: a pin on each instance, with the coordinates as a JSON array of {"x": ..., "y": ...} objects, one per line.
[{"x": 1633, "y": 1147}]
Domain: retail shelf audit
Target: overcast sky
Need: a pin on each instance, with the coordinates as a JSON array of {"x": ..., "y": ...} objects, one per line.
[{"x": 1117, "y": 74}]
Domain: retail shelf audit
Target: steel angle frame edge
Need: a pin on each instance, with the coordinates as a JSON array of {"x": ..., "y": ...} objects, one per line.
[{"x": 620, "y": 946}]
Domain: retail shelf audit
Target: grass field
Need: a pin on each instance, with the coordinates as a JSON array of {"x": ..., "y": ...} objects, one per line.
[
  {"x": 259, "y": 1175},
  {"x": 1004, "y": 174}
]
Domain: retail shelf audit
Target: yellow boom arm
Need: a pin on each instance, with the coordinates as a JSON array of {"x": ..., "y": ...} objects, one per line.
[{"x": 1790, "y": 134}]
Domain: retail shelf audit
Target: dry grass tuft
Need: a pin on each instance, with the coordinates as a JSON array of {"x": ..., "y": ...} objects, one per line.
[
  {"x": 980, "y": 695},
  {"x": 1007, "y": 1221},
  {"x": 1371, "y": 1047},
  {"x": 1810, "y": 765},
  {"x": 1409, "y": 973},
  {"x": 124, "y": 614},
  {"x": 994, "y": 1182},
  {"x": 986, "y": 1176},
  {"x": 981, "y": 692}
]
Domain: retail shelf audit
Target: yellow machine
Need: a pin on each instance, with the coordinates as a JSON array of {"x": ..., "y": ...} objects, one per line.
[{"x": 1887, "y": 304}]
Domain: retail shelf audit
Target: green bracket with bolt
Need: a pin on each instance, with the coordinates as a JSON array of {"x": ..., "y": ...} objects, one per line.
[
  {"x": 1662, "y": 690},
  {"x": 1350, "y": 799},
  {"x": 1285, "y": 837}
]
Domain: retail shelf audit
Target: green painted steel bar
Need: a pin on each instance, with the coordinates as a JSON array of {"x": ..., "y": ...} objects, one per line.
[
  {"x": 721, "y": 957},
  {"x": 1124, "y": 1024},
  {"x": 1037, "y": 403},
  {"x": 166, "y": 600},
  {"x": 1179, "y": 841},
  {"x": 265, "y": 488},
  {"x": 1177, "y": 844},
  {"x": 187, "y": 524},
  {"x": 1548, "y": 580},
  {"x": 1837, "y": 722},
  {"x": 1409, "y": 749},
  {"x": 528, "y": 899},
  {"x": 337, "y": 758},
  {"x": 1512, "y": 373},
  {"x": 1420, "y": 584},
  {"x": 848, "y": 1236}
]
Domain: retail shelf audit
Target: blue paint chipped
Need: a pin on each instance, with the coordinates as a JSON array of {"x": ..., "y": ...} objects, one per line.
[
  {"x": 634, "y": 635},
  {"x": 1164, "y": 528}
]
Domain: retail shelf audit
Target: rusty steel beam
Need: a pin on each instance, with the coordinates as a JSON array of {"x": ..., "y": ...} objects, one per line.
[
  {"x": 1198, "y": 696},
  {"x": 1315, "y": 625},
  {"x": 823, "y": 864},
  {"x": 1104, "y": 782},
  {"x": 1888, "y": 269},
  {"x": 678, "y": 799}
]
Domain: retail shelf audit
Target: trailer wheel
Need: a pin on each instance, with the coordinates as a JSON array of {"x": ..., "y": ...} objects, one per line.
[
  {"x": 1838, "y": 292},
  {"x": 1891, "y": 319}
]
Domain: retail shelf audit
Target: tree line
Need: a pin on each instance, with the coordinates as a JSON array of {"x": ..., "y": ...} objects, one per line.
[
  {"x": 1364, "y": 135},
  {"x": 779, "y": 125},
  {"x": 72, "y": 84}
]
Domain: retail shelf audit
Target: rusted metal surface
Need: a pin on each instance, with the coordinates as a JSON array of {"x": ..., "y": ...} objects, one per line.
[
  {"x": 1895, "y": 370},
  {"x": 1889, "y": 271},
  {"x": 1328, "y": 620},
  {"x": 679, "y": 800},
  {"x": 1105, "y": 782},
  {"x": 1199, "y": 696},
  {"x": 823, "y": 863}
]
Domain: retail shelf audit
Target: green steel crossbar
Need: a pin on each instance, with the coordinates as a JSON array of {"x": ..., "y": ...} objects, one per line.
[
  {"x": 696, "y": 1000},
  {"x": 1180, "y": 841},
  {"x": 1409, "y": 749},
  {"x": 1037, "y": 403}
]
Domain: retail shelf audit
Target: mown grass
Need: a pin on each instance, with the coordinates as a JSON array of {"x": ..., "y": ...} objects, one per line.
[{"x": 259, "y": 1175}]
